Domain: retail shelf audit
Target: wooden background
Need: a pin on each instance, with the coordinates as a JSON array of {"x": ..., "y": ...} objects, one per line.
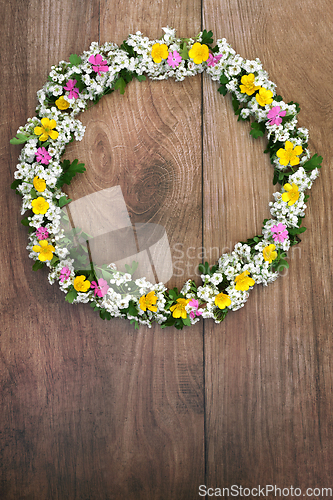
[{"x": 96, "y": 410}]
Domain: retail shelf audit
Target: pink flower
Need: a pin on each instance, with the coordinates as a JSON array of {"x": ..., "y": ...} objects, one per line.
[
  {"x": 65, "y": 274},
  {"x": 275, "y": 115},
  {"x": 212, "y": 60},
  {"x": 73, "y": 91},
  {"x": 98, "y": 64},
  {"x": 42, "y": 233},
  {"x": 100, "y": 289},
  {"x": 195, "y": 312},
  {"x": 280, "y": 232},
  {"x": 174, "y": 59},
  {"x": 43, "y": 156}
]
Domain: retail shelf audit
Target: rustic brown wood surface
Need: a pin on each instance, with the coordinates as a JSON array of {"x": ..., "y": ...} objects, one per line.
[{"x": 96, "y": 410}]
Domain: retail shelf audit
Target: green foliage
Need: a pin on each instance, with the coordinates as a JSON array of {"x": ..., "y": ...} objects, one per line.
[
  {"x": 280, "y": 263},
  {"x": 74, "y": 60},
  {"x": 251, "y": 242},
  {"x": 120, "y": 85},
  {"x": 131, "y": 269},
  {"x": 16, "y": 183},
  {"x": 220, "y": 314},
  {"x": 79, "y": 83},
  {"x": 235, "y": 104},
  {"x": 33, "y": 194},
  {"x": 54, "y": 260},
  {"x": 178, "y": 323},
  {"x": 25, "y": 221},
  {"x": 141, "y": 78},
  {"x": 207, "y": 37},
  {"x": 136, "y": 324},
  {"x": 298, "y": 108},
  {"x": 63, "y": 201},
  {"x": 184, "y": 51},
  {"x": 280, "y": 176},
  {"x": 128, "y": 48},
  {"x": 71, "y": 295},
  {"x": 104, "y": 314},
  {"x": 21, "y": 138},
  {"x": 257, "y": 129},
  {"x": 223, "y": 81},
  {"x": 69, "y": 170},
  {"x": 205, "y": 269},
  {"x": 314, "y": 162},
  {"x": 37, "y": 265}
]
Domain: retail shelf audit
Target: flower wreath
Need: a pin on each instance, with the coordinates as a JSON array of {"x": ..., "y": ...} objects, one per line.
[{"x": 41, "y": 174}]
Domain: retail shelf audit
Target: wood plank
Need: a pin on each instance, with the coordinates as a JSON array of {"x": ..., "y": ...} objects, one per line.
[
  {"x": 268, "y": 378},
  {"x": 94, "y": 409},
  {"x": 147, "y": 143}
]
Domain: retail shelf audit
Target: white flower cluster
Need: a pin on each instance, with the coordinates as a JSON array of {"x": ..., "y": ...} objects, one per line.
[{"x": 91, "y": 76}]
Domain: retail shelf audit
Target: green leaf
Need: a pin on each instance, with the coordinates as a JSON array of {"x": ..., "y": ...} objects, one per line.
[
  {"x": 132, "y": 309},
  {"x": 187, "y": 321},
  {"x": 184, "y": 52},
  {"x": 37, "y": 265},
  {"x": 79, "y": 83},
  {"x": 136, "y": 324},
  {"x": 235, "y": 104},
  {"x": 257, "y": 129},
  {"x": 16, "y": 183},
  {"x": 173, "y": 294},
  {"x": 104, "y": 314},
  {"x": 120, "y": 84},
  {"x": 207, "y": 37},
  {"x": 223, "y": 90},
  {"x": 25, "y": 221},
  {"x": 279, "y": 266},
  {"x": 20, "y": 139},
  {"x": 75, "y": 60},
  {"x": 69, "y": 171},
  {"x": 141, "y": 78},
  {"x": 63, "y": 201},
  {"x": 71, "y": 296},
  {"x": 54, "y": 260},
  {"x": 296, "y": 230},
  {"x": 314, "y": 162},
  {"x": 33, "y": 194},
  {"x": 224, "y": 79},
  {"x": 131, "y": 269},
  {"x": 128, "y": 48},
  {"x": 298, "y": 108}
]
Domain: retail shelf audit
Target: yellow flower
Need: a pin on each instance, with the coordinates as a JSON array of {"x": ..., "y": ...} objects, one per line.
[
  {"x": 40, "y": 205},
  {"x": 292, "y": 194},
  {"x": 159, "y": 51},
  {"x": 45, "y": 250},
  {"x": 46, "y": 130},
  {"x": 264, "y": 97},
  {"x": 81, "y": 284},
  {"x": 178, "y": 310},
  {"x": 222, "y": 300},
  {"x": 289, "y": 154},
  {"x": 199, "y": 53},
  {"x": 269, "y": 253},
  {"x": 248, "y": 86},
  {"x": 39, "y": 184},
  {"x": 61, "y": 103},
  {"x": 148, "y": 302},
  {"x": 243, "y": 282}
]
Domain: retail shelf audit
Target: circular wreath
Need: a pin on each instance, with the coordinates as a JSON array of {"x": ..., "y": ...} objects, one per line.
[{"x": 41, "y": 174}]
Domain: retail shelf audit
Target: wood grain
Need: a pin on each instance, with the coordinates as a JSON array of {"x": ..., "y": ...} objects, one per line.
[
  {"x": 95, "y": 410},
  {"x": 268, "y": 390}
]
